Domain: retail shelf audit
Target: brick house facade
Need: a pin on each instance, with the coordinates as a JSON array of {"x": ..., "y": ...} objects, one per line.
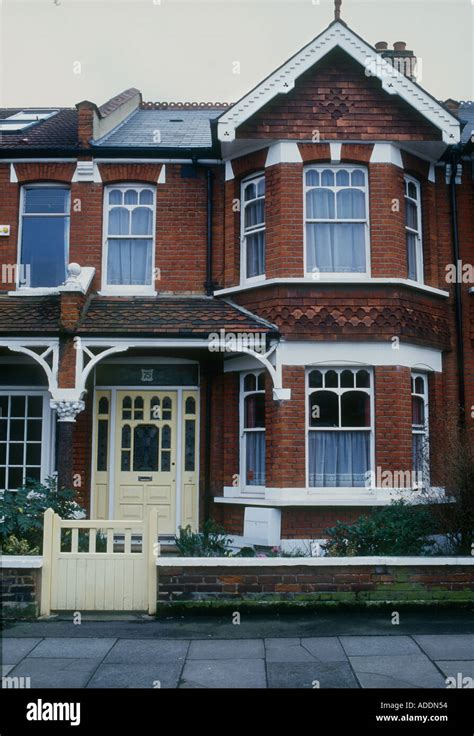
[{"x": 257, "y": 325}]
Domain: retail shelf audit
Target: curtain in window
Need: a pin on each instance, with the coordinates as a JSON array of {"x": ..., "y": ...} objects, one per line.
[
  {"x": 338, "y": 246},
  {"x": 338, "y": 458},
  {"x": 411, "y": 256},
  {"x": 255, "y": 458},
  {"x": 129, "y": 259},
  {"x": 255, "y": 254}
]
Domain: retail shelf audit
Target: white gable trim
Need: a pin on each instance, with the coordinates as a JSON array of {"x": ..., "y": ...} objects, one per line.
[{"x": 338, "y": 35}]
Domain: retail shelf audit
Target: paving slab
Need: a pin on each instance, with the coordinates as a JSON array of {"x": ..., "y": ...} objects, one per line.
[
  {"x": 57, "y": 672},
  {"x": 159, "y": 675},
  {"x": 228, "y": 674},
  {"x": 6, "y": 669},
  {"x": 325, "y": 648},
  {"x": 13, "y": 650},
  {"x": 368, "y": 645},
  {"x": 402, "y": 671},
  {"x": 225, "y": 649},
  {"x": 311, "y": 675},
  {"x": 456, "y": 668},
  {"x": 144, "y": 651},
  {"x": 286, "y": 650},
  {"x": 76, "y": 648},
  {"x": 447, "y": 646}
]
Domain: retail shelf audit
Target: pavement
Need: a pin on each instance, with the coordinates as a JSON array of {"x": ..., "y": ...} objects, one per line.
[{"x": 357, "y": 649}]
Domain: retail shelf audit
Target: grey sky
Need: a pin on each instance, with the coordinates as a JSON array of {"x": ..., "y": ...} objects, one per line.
[{"x": 177, "y": 50}]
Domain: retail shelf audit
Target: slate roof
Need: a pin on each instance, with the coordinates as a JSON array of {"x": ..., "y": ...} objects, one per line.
[
  {"x": 58, "y": 131},
  {"x": 167, "y": 316},
  {"x": 466, "y": 113},
  {"x": 29, "y": 315},
  {"x": 177, "y": 128}
]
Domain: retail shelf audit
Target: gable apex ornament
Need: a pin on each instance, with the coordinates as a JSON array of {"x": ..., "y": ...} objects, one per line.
[{"x": 337, "y": 9}]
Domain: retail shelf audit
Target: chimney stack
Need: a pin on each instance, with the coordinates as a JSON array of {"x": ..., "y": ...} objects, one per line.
[{"x": 399, "y": 57}]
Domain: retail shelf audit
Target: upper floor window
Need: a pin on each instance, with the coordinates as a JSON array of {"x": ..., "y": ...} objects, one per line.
[
  {"x": 413, "y": 229},
  {"x": 253, "y": 227},
  {"x": 336, "y": 213},
  {"x": 253, "y": 428},
  {"x": 44, "y": 240},
  {"x": 129, "y": 228},
  {"x": 340, "y": 426}
]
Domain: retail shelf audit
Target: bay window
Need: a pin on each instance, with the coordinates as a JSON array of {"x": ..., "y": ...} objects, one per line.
[
  {"x": 340, "y": 426},
  {"x": 129, "y": 246},
  {"x": 45, "y": 215},
  {"x": 252, "y": 408},
  {"x": 253, "y": 228},
  {"x": 413, "y": 229},
  {"x": 24, "y": 427},
  {"x": 336, "y": 220}
]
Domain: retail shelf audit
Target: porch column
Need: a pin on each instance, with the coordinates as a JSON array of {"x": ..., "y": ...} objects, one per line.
[{"x": 66, "y": 413}]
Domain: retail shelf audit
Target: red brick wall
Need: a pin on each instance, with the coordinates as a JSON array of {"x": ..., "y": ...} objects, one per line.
[
  {"x": 285, "y": 432},
  {"x": 336, "y": 98},
  {"x": 393, "y": 416},
  {"x": 284, "y": 221}
]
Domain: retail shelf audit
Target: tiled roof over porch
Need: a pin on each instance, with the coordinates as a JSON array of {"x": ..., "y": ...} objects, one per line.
[{"x": 165, "y": 316}]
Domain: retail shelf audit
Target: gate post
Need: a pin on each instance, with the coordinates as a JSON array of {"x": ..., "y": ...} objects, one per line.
[
  {"x": 152, "y": 553},
  {"x": 45, "y": 605}
]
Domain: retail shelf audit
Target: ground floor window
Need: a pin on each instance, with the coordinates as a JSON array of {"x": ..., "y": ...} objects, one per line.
[
  {"x": 419, "y": 427},
  {"x": 21, "y": 439},
  {"x": 340, "y": 426},
  {"x": 252, "y": 407}
]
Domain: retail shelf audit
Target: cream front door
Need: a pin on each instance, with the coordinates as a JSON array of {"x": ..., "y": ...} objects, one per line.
[{"x": 145, "y": 456}]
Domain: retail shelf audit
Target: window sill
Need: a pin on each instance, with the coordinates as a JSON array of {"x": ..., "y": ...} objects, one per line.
[
  {"x": 362, "y": 280},
  {"x": 35, "y": 291},
  {"x": 329, "y": 497},
  {"x": 124, "y": 292}
]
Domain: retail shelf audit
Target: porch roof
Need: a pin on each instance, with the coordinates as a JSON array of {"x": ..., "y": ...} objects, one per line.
[
  {"x": 29, "y": 315},
  {"x": 168, "y": 316}
]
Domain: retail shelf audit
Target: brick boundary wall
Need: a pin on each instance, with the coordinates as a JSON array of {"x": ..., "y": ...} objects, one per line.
[
  {"x": 329, "y": 584},
  {"x": 20, "y": 590}
]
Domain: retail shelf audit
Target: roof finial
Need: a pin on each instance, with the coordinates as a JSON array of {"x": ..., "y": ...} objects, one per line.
[{"x": 337, "y": 9}]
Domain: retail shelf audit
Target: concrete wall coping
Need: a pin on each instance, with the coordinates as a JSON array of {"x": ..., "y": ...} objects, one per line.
[
  {"x": 311, "y": 561},
  {"x": 21, "y": 561}
]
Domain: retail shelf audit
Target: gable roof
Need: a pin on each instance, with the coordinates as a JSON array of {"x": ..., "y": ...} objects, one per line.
[
  {"x": 338, "y": 35},
  {"x": 58, "y": 131}
]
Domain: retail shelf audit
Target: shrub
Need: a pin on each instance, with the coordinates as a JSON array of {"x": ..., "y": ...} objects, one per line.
[
  {"x": 398, "y": 529},
  {"x": 453, "y": 513},
  {"x": 211, "y": 542},
  {"x": 22, "y": 510},
  {"x": 14, "y": 546}
]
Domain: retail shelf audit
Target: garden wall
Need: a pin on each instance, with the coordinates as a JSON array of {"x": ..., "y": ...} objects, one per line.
[
  {"x": 344, "y": 580},
  {"x": 20, "y": 586}
]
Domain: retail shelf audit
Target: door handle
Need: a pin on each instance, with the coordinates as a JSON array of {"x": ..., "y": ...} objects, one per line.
[{"x": 145, "y": 477}]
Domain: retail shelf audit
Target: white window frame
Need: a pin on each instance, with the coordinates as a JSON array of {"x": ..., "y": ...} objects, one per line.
[
  {"x": 407, "y": 179},
  {"x": 248, "y": 490},
  {"x": 48, "y": 428},
  {"x": 18, "y": 271},
  {"x": 244, "y": 279},
  {"x": 426, "y": 431},
  {"x": 339, "y": 391},
  {"x": 125, "y": 289},
  {"x": 342, "y": 275}
]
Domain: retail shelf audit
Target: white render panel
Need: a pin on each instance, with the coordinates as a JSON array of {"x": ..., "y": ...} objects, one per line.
[
  {"x": 262, "y": 526},
  {"x": 360, "y": 353}
]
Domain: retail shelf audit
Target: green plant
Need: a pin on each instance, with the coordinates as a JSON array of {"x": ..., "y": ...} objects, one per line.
[
  {"x": 22, "y": 510},
  {"x": 211, "y": 542},
  {"x": 14, "y": 546},
  {"x": 398, "y": 529},
  {"x": 246, "y": 552},
  {"x": 453, "y": 512}
]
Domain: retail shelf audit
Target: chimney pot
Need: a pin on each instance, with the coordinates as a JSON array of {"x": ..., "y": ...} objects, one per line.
[
  {"x": 399, "y": 46},
  {"x": 381, "y": 45}
]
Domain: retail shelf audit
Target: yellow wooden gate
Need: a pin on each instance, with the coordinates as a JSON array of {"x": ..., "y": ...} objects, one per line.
[{"x": 99, "y": 565}]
